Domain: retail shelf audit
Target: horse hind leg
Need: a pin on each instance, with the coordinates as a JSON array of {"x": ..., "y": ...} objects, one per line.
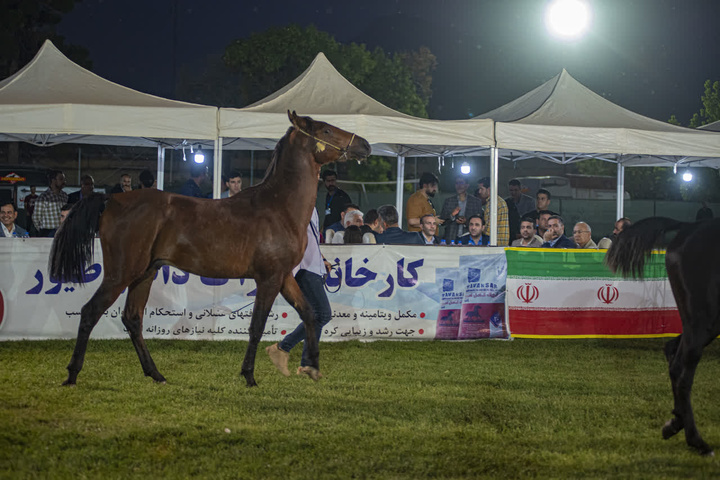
[
  {"x": 90, "y": 314},
  {"x": 132, "y": 318},
  {"x": 267, "y": 290},
  {"x": 675, "y": 424}
]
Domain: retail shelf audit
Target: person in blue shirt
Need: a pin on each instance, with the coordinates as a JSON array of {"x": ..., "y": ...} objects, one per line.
[
  {"x": 392, "y": 233},
  {"x": 556, "y": 228},
  {"x": 474, "y": 235}
]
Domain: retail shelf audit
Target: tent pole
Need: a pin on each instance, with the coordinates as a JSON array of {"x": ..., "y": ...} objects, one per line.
[
  {"x": 160, "y": 168},
  {"x": 620, "y": 190},
  {"x": 493, "y": 203},
  {"x": 79, "y": 164},
  {"x": 399, "y": 187},
  {"x": 217, "y": 167}
]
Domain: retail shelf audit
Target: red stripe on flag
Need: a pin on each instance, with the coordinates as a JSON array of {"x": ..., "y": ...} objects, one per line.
[{"x": 594, "y": 322}]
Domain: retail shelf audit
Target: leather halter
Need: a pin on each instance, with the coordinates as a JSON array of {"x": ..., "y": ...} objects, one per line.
[{"x": 321, "y": 143}]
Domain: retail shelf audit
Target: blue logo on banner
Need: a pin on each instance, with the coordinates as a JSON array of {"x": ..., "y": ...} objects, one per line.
[
  {"x": 448, "y": 285},
  {"x": 473, "y": 275},
  {"x": 495, "y": 320}
]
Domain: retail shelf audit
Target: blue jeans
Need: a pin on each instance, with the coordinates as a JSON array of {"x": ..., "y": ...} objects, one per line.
[{"x": 312, "y": 286}]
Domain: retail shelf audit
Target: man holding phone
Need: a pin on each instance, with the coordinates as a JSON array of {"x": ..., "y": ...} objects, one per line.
[{"x": 458, "y": 208}]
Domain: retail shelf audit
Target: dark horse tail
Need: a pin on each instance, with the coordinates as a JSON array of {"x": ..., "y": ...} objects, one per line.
[
  {"x": 73, "y": 245},
  {"x": 629, "y": 252}
]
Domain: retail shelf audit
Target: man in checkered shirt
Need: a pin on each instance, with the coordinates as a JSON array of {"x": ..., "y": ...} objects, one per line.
[{"x": 47, "y": 207}]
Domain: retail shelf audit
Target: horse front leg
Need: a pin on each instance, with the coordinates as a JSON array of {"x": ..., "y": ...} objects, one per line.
[
  {"x": 267, "y": 290},
  {"x": 132, "y": 318},
  {"x": 89, "y": 316}
]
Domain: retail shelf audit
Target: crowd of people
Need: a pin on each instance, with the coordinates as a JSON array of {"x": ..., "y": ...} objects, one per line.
[{"x": 522, "y": 221}]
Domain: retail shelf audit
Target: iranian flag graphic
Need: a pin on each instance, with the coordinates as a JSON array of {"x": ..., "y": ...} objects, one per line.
[{"x": 571, "y": 293}]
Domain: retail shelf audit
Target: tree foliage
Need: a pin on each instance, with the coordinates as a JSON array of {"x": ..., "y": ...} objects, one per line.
[
  {"x": 269, "y": 60},
  {"x": 26, "y": 25},
  {"x": 710, "y": 111}
]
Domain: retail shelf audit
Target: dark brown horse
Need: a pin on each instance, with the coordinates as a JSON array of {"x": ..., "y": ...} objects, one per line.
[
  {"x": 260, "y": 233},
  {"x": 692, "y": 260}
]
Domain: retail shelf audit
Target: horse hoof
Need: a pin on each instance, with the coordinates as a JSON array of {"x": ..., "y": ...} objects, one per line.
[
  {"x": 68, "y": 383},
  {"x": 311, "y": 372},
  {"x": 669, "y": 430}
]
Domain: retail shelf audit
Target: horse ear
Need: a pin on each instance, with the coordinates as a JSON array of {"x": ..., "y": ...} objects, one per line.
[{"x": 292, "y": 116}]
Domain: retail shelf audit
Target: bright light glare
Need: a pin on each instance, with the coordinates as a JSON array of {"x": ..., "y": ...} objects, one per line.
[
  {"x": 199, "y": 157},
  {"x": 567, "y": 18},
  {"x": 687, "y": 176},
  {"x": 465, "y": 168}
]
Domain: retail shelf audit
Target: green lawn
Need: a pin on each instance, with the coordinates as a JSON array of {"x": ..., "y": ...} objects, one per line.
[{"x": 487, "y": 409}]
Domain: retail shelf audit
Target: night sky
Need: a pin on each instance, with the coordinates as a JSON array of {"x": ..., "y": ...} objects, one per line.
[{"x": 650, "y": 56}]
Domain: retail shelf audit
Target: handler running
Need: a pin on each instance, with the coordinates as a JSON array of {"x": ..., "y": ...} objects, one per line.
[{"x": 310, "y": 276}]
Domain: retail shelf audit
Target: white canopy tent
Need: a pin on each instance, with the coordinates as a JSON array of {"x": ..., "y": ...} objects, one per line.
[
  {"x": 563, "y": 121},
  {"x": 53, "y": 100},
  {"x": 324, "y": 94}
]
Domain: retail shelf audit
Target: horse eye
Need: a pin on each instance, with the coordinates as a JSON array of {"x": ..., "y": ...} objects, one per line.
[{"x": 327, "y": 131}]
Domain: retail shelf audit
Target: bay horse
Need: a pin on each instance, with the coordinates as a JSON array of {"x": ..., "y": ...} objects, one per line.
[
  {"x": 259, "y": 233},
  {"x": 692, "y": 260}
]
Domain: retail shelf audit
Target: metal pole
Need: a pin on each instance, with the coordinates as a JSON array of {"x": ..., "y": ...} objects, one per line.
[
  {"x": 620, "y": 190},
  {"x": 160, "y": 168},
  {"x": 399, "y": 187},
  {"x": 217, "y": 167},
  {"x": 492, "y": 202},
  {"x": 79, "y": 164}
]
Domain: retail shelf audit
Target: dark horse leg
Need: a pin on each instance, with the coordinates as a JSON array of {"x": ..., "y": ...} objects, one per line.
[
  {"x": 293, "y": 294},
  {"x": 89, "y": 316},
  {"x": 267, "y": 291},
  {"x": 132, "y": 318}
]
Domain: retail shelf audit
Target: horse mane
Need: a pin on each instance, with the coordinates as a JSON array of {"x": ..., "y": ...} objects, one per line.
[{"x": 276, "y": 155}]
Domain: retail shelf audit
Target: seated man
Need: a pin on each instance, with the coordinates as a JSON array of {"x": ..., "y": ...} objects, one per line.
[
  {"x": 582, "y": 235},
  {"x": 556, "y": 232},
  {"x": 87, "y": 185},
  {"x": 371, "y": 222},
  {"x": 8, "y": 215},
  {"x": 351, "y": 218},
  {"x": 64, "y": 210},
  {"x": 392, "y": 233},
  {"x": 339, "y": 226},
  {"x": 474, "y": 235},
  {"x": 428, "y": 227},
  {"x": 528, "y": 238}
]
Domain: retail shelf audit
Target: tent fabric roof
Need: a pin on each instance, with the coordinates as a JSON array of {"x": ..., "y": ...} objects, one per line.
[
  {"x": 562, "y": 115},
  {"x": 324, "y": 94},
  {"x": 53, "y": 96}
]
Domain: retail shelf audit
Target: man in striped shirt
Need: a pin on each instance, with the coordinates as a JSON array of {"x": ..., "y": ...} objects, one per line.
[{"x": 47, "y": 207}]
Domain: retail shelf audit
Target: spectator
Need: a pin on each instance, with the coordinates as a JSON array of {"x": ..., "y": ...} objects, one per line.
[
  {"x": 620, "y": 225},
  {"x": 310, "y": 277},
  {"x": 582, "y": 234},
  {"x": 352, "y": 234},
  {"x": 191, "y": 188},
  {"x": 87, "y": 186},
  {"x": 47, "y": 207},
  {"x": 147, "y": 179},
  {"x": 518, "y": 203},
  {"x": 428, "y": 228},
  {"x": 392, "y": 233},
  {"x": 457, "y": 208},
  {"x": 524, "y": 203},
  {"x": 420, "y": 202},
  {"x": 8, "y": 215},
  {"x": 704, "y": 213},
  {"x": 64, "y": 210},
  {"x": 542, "y": 202},
  {"x": 556, "y": 230},
  {"x": 339, "y": 226},
  {"x": 335, "y": 199},
  {"x": 542, "y": 222},
  {"x": 528, "y": 237},
  {"x": 125, "y": 184},
  {"x": 351, "y": 218},
  {"x": 371, "y": 222},
  {"x": 234, "y": 184},
  {"x": 30, "y": 208},
  {"x": 503, "y": 232},
  {"x": 475, "y": 235}
]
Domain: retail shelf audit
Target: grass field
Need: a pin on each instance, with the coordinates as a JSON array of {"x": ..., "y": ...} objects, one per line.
[{"x": 488, "y": 409}]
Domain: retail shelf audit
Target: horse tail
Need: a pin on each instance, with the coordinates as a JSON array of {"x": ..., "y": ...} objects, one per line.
[
  {"x": 632, "y": 248},
  {"x": 73, "y": 246}
]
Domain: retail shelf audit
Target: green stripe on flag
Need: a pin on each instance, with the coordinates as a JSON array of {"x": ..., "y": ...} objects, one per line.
[{"x": 569, "y": 263}]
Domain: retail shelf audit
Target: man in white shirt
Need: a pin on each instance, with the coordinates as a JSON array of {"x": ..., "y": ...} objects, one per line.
[
  {"x": 528, "y": 238},
  {"x": 8, "y": 215}
]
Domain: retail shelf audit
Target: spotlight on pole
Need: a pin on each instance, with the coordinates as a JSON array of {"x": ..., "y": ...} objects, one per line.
[
  {"x": 465, "y": 168},
  {"x": 687, "y": 176}
]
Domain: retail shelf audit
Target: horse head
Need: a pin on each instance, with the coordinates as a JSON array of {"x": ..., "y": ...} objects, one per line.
[{"x": 332, "y": 144}]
